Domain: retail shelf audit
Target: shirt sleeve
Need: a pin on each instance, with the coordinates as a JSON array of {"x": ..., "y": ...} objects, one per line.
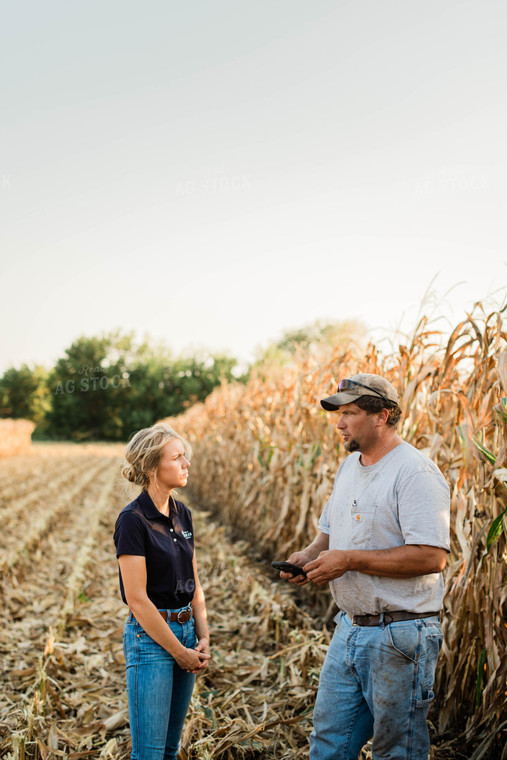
[
  {"x": 324, "y": 525},
  {"x": 129, "y": 535},
  {"x": 424, "y": 509}
]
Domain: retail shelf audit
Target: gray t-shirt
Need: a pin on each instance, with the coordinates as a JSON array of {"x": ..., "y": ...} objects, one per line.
[{"x": 402, "y": 499}]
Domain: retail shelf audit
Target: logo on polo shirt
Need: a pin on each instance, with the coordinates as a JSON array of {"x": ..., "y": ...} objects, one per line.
[{"x": 186, "y": 534}]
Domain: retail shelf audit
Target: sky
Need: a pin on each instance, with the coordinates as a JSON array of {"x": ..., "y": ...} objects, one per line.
[{"x": 214, "y": 173}]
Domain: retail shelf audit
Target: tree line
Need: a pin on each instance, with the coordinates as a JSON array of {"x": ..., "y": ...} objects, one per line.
[{"x": 107, "y": 387}]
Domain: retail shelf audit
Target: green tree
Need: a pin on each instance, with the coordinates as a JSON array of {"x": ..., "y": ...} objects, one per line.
[
  {"x": 164, "y": 386},
  {"x": 312, "y": 337},
  {"x": 89, "y": 388},
  {"x": 108, "y": 387},
  {"x": 24, "y": 393}
]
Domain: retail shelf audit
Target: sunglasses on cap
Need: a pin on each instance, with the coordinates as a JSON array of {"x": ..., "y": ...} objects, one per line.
[{"x": 347, "y": 385}]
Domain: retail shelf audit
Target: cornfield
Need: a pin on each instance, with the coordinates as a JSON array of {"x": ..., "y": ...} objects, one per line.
[
  {"x": 266, "y": 455},
  {"x": 264, "y": 461}
]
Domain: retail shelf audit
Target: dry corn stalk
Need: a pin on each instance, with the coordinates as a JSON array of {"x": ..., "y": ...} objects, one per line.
[{"x": 266, "y": 456}]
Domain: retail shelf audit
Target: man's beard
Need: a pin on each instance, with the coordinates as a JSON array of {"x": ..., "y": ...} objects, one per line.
[{"x": 352, "y": 445}]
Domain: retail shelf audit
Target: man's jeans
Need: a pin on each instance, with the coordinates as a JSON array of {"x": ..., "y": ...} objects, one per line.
[
  {"x": 376, "y": 681},
  {"x": 158, "y": 691}
]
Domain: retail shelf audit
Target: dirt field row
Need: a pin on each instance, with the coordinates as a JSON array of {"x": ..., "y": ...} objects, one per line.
[
  {"x": 61, "y": 656},
  {"x": 60, "y": 642}
]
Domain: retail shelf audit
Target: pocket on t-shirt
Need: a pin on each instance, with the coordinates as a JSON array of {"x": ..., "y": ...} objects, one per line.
[{"x": 361, "y": 529}]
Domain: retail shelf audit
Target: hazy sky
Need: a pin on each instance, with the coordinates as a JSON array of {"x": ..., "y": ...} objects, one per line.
[{"x": 212, "y": 173}]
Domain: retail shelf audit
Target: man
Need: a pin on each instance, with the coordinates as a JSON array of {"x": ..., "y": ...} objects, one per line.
[{"x": 383, "y": 542}]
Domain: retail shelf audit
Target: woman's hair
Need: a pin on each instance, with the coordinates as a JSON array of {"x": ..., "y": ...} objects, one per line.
[{"x": 144, "y": 451}]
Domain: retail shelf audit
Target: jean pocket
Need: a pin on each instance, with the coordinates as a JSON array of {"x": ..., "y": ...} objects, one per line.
[
  {"x": 432, "y": 647},
  {"x": 129, "y": 634},
  {"x": 185, "y": 632},
  {"x": 405, "y": 639},
  {"x": 139, "y": 632},
  {"x": 424, "y": 704},
  {"x": 192, "y": 635}
]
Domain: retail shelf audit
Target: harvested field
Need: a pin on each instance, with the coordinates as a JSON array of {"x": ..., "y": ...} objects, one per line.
[
  {"x": 61, "y": 656},
  {"x": 62, "y": 660}
]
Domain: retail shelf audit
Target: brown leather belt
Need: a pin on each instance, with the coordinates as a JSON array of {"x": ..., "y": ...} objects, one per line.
[
  {"x": 183, "y": 616},
  {"x": 390, "y": 617}
]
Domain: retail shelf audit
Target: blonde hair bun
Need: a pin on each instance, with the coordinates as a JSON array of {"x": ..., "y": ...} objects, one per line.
[
  {"x": 133, "y": 476},
  {"x": 144, "y": 451}
]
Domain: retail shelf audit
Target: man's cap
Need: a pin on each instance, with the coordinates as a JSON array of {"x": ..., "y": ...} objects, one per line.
[{"x": 352, "y": 392}]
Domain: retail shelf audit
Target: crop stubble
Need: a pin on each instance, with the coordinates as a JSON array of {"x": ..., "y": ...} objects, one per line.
[{"x": 61, "y": 648}]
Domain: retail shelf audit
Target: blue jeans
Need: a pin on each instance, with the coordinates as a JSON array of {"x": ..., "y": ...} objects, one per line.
[
  {"x": 158, "y": 691},
  {"x": 376, "y": 681}
]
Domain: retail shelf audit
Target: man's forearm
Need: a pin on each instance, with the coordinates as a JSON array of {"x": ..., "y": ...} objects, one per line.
[
  {"x": 319, "y": 544},
  {"x": 406, "y": 561},
  {"x": 401, "y": 562}
]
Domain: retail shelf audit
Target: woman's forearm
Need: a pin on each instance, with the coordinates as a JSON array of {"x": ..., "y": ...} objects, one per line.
[
  {"x": 151, "y": 621},
  {"x": 199, "y": 609}
]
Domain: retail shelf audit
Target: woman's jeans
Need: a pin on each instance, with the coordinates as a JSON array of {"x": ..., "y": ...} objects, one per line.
[
  {"x": 158, "y": 690},
  {"x": 376, "y": 681}
]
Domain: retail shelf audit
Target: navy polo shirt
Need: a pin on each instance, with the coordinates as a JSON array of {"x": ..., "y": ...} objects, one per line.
[{"x": 168, "y": 545}]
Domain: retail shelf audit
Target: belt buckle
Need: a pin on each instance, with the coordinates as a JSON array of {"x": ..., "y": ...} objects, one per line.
[{"x": 183, "y": 612}]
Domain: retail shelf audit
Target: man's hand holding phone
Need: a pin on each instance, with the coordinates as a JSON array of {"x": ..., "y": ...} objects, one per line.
[{"x": 298, "y": 560}]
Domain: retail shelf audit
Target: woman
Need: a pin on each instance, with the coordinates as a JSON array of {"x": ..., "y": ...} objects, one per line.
[{"x": 165, "y": 640}]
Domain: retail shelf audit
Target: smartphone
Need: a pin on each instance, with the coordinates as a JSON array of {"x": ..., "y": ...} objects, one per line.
[{"x": 287, "y": 567}]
